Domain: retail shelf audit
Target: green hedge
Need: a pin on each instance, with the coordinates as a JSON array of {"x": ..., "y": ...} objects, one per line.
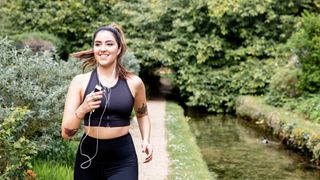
[
  {"x": 185, "y": 158},
  {"x": 297, "y": 132}
]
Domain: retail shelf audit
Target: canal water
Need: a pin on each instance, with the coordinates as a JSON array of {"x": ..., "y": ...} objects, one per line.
[{"x": 236, "y": 149}]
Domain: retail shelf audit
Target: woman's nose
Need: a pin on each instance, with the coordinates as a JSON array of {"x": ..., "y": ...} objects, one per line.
[{"x": 103, "y": 48}]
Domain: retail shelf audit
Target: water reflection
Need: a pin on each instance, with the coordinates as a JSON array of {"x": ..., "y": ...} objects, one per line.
[{"x": 234, "y": 149}]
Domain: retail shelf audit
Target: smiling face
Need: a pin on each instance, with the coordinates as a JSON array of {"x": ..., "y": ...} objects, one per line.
[{"x": 105, "y": 48}]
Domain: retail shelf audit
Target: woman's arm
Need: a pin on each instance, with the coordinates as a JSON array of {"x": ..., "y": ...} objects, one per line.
[
  {"x": 75, "y": 109},
  {"x": 141, "y": 111},
  {"x": 72, "y": 114}
]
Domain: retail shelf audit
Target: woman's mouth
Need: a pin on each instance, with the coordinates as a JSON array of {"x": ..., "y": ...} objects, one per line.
[{"x": 104, "y": 56}]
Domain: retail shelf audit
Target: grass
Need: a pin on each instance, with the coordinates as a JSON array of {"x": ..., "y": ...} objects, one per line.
[
  {"x": 52, "y": 170},
  {"x": 186, "y": 161},
  {"x": 56, "y": 169}
]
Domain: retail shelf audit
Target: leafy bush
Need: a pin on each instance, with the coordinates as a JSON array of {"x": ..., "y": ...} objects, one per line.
[
  {"x": 35, "y": 81},
  {"x": 308, "y": 105},
  {"x": 216, "y": 89},
  {"x": 306, "y": 44},
  {"x": 275, "y": 99},
  {"x": 39, "y": 83},
  {"x": 130, "y": 61},
  {"x": 16, "y": 150},
  {"x": 285, "y": 81},
  {"x": 51, "y": 147}
]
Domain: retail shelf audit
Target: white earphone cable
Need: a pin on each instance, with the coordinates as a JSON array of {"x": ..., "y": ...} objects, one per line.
[{"x": 97, "y": 144}]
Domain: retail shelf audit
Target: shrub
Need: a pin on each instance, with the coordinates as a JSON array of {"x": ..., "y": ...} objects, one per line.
[
  {"x": 39, "y": 83},
  {"x": 275, "y": 99},
  {"x": 285, "y": 81},
  {"x": 15, "y": 148},
  {"x": 216, "y": 89},
  {"x": 308, "y": 105},
  {"x": 130, "y": 61},
  {"x": 36, "y": 81},
  {"x": 51, "y": 147},
  {"x": 306, "y": 44}
]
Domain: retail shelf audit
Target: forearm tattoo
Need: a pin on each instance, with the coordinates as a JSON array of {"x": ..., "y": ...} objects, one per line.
[
  {"x": 70, "y": 132},
  {"x": 143, "y": 110}
]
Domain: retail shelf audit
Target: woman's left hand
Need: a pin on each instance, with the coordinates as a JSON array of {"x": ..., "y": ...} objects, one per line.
[{"x": 147, "y": 148}]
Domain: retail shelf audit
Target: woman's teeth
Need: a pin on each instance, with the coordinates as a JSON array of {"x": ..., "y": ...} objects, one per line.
[{"x": 104, "y": 56}]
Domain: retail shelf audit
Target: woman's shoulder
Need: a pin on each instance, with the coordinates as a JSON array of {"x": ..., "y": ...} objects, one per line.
[
  {"x": 135, "y": 84},
  {"x": 82, "y": 78},
  {"x": 134, "y": 80}
]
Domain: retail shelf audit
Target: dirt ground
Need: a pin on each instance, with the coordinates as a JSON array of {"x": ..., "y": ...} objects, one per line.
[{"x": 157, "y": 169}]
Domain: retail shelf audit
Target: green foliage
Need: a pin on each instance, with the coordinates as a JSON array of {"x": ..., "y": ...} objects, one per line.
[
  {"x": 187, "y": 162},
  {"x": 4, "y": 28},
  {"x": 309, "y": 106},
  {"x": 130, "y": 61},
  {"x": 285, "y": 81},
  {"x": 15, "y": 148},
  {"x": 39, "y": 83},
  {"x": 57, "y": 161},
  {"x": 306, "y": 44},
  {"x": 210, "y": 44},
  {"x": 216, "y": 89},
  {"x": 204, "y": 42},
  {"x": 53, "y": 148},
  {"x": 36, "y": 81},
  {"x": 73, "y": 21},
  {"x": 141, "y": 29},
  {"x": 275, "y": 99}
]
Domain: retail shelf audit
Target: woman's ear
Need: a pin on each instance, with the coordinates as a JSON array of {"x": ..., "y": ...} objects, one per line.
[{"x": 119, "y": 51}]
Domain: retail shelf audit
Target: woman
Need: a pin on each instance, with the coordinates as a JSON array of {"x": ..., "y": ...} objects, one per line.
[{"x": 104, "y": 99}]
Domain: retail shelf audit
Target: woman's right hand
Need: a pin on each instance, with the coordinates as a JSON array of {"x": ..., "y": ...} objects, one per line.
[{"x": 91, "y": 102}]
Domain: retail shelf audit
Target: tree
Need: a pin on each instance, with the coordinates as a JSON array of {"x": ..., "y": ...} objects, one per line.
[{"x": 73, "y": 21}]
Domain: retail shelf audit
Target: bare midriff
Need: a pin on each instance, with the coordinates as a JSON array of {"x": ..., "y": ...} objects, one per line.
[{"x": 106, "y": 132}]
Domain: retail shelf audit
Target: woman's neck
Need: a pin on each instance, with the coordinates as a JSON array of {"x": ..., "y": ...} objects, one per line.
[{"x": 107, "y": 75}]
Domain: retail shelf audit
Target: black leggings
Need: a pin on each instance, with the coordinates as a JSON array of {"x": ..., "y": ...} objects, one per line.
[{"x": 116, "y": 159}]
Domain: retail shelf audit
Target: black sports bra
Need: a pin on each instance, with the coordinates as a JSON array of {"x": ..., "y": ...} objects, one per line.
[{"x": 118, "y": 108}]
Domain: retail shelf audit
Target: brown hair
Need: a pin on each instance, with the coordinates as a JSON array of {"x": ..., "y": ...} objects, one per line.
[{"x": 88, "y": 57}]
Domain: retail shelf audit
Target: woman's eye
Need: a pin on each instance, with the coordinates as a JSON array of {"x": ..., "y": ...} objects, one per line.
[
  {"x": 96, "y": 44},
  {"x": 109, "y": 44}
]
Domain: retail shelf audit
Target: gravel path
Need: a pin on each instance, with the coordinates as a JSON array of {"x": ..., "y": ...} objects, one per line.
[{"x": 157, "y": 169}]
